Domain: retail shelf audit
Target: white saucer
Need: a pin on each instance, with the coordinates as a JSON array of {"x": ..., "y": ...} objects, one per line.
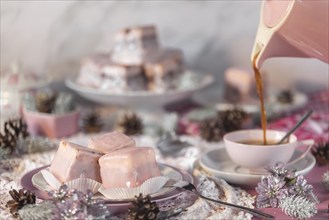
[{"x": 216, "y": 162}]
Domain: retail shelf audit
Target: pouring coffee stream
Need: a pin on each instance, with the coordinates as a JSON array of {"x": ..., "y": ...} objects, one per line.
[{"x": 290, "y": 28}]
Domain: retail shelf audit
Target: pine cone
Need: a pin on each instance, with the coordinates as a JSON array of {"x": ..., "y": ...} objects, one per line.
[
  {"x": 45, "y": 101},
  {"x": 20, "y": 199},
  {"x": 13, "y": 130},
  {"x": 212, "y": 130},
  {"x": 91, "y": 123},
  {"x": 321, "y": 153},
  {"x": 143, "y": 209},
  {"x": 233, "y": 120},
  {"x": 285, "y": 97},
  {"x": 298, "y": 207},
  {"x": 130, "y": 124}
]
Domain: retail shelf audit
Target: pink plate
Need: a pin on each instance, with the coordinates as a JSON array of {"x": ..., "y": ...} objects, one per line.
[{"x": 115, "y": 207}]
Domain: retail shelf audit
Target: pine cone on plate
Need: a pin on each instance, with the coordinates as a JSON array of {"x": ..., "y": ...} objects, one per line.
[
  {"x": 91, "y": 123},
  {"x": 20, "y": 199},
  {"x": 13, "y": 130},
  {"x": 212, "y": 129},
  {"x": 130, "y": 124},
  {"x": 321, "y": 153},
  {"x": 143, "y": 208},
  {"x": 233, "y": 119}
]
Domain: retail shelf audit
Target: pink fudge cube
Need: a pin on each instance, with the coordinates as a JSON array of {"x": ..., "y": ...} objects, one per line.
[
  {"x": 110, "y": 142},
  {"x": 128, "y": 167},
  {"x": 73, "y": 161}
]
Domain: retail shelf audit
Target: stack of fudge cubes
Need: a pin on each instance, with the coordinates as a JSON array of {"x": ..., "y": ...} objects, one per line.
[
  {"x": 136, "y": 62},
  {"x": 112, "y": 159}
]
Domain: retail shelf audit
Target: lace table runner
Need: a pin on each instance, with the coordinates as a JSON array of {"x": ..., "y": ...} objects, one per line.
[{"x": 12, "y": 170}]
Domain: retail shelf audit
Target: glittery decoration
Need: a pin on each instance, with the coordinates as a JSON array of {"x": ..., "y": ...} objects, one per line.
[
  {"x": 281, "y": 184},
  {"x": 48, "y": 101},
  {"x": 62, "y": 193},
  {"x": 28, "y": 101},
  {"x": 31, "y": 145},
  {"x": 72, "y": 204},
  {"x": 10, "y": 164},
  {"x": 280, "y": 171},
  {"x": 38, "y": 211},
  {"x": 271, "y": 189},
  {"x": 63, "y": 103},
  {"x": 300, "y": 187},
  {"x": 298, "y": 207}
]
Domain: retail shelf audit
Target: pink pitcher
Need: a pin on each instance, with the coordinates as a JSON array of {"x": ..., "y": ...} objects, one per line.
[{"x": 292, "y": 28}]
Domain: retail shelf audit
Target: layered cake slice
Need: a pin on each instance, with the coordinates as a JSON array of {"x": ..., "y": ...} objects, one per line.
[
  {"x": 164, "y": 69},
  {"x": 132, "y": 45},
  {"x": 90, "y": 74},
  {"x": 99, "y": 71},
  {"x": 112, "y": 141},
  {"x": 136, "y": 63},
  {"x": 72, "y": 161},
  {"x": 128, "y": 167},
  {"x": 118, "y": 78}
]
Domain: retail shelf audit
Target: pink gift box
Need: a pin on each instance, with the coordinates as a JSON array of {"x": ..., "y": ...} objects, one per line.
[{"x": 52, "y": 125}]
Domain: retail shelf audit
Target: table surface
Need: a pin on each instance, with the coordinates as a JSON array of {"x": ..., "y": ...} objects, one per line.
[{"x": 318, "y": 102}]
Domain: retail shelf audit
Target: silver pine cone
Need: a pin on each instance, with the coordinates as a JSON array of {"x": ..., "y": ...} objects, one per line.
[
  {"x": 31, "y": 145},
  {"x": 298, "y": 207},
  {"x": 38, "y": 211}
]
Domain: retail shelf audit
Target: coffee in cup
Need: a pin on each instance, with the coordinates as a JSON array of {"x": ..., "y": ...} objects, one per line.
[{"x": 246, "y": 148}]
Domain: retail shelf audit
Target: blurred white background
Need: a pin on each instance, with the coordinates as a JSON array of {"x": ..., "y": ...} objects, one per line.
[{"x": 51, "y": 37}]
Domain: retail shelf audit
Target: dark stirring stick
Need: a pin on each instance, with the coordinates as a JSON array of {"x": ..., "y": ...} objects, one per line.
[{"x": 299, "y": 123}]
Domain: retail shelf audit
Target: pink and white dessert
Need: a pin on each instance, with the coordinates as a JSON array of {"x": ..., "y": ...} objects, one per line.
[
  {"x": 112, "y": 141},
  {"x": 73, "y": 161},
  {"x": 132, "y": 45},
  {"x": 100, "y": 72},
  {"x": 163, "y": 69},
  {"x": 128, "y": 168},
  {"x": 136, "y": 62}
]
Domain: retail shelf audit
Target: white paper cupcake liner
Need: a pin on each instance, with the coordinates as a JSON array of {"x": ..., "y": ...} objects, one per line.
[
  {"x": 150, "y": 186},
  {"x": 81, "y": 184}
]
